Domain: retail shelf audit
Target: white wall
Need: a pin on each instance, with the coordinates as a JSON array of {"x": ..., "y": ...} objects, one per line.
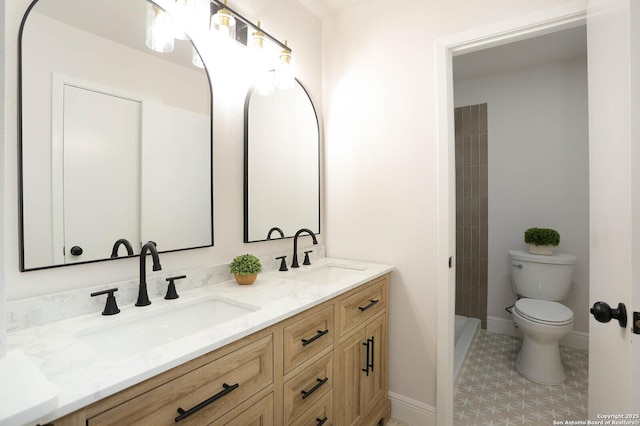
[
  {"x": 538, "y": 169},
  {"x": 381, "y": 159},
  {"x": 283, "y": 19}
]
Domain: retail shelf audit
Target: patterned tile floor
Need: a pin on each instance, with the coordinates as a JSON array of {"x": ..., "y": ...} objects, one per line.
[{"x": 492, "y": 392}]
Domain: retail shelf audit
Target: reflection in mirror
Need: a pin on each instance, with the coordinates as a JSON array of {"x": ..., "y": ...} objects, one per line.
[
  {"x": 282, "y": 164},
  {"x": 115, "y": 139}
]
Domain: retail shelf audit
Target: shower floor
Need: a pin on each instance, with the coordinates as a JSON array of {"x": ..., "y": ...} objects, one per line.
[{"x": 465, "y": 330}]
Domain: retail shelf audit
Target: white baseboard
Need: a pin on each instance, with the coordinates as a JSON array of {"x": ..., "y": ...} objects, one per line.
[
  {"x": 575, "y": 339},
  {"x": 409, "y": 410}
]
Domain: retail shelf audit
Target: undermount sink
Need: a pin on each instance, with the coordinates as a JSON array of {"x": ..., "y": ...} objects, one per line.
[
  {"x": 324, "y": 274},
  {"x": 148, "y": 332}
]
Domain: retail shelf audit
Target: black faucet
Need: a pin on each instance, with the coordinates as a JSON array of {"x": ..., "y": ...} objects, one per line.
[
  {"x": 275, "y": 229},
  {"x": 143, "y": 297},
  {"x": 294, "y": 263},
  {"x": 116, "y": 246}
]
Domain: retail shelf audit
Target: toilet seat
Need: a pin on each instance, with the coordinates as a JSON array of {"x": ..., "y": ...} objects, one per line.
[{"x": 544, "y": 312}]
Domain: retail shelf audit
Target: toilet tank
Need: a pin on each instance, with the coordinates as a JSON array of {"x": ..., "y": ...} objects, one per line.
[{"x": 541, "y": 277}]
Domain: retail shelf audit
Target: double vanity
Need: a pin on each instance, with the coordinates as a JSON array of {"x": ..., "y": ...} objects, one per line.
[{"x": 302, "y": 347}]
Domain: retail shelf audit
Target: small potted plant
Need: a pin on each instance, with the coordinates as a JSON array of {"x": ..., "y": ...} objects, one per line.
[
  {"x": 541, "y": 240},
  {"x": 245, "y": 268}
]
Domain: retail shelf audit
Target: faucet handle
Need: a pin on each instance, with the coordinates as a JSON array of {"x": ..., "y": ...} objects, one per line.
[
  {"x": 283, "y": 264},
  {"x": 111, "y": 307},
  {"x": 171, "y": 289},
  {"x": 306, "y": 260}
]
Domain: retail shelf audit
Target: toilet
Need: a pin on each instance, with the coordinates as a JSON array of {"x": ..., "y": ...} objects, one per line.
[{"x": 541, "y": 281}]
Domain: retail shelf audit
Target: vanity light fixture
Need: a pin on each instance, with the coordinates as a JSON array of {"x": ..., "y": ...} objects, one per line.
[
  {"x": 159, "y": 30},
  {"x": 256, "y": 41},
  {"x": 225, "y": 23}
]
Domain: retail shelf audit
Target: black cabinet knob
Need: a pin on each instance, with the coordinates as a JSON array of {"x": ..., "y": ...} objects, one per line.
[
  {"x": 604, "y": 313},
  {"x": 76, "y": 250}
]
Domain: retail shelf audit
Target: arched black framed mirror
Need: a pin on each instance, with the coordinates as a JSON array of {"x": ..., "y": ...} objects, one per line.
[
  {"x": 282, "y": 164},
  {"x": 114, "y": 139}
]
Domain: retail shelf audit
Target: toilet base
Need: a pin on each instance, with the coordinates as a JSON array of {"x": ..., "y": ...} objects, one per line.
[{"x": 540, "y": 363}]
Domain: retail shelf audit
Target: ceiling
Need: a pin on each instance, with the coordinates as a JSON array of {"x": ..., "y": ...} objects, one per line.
[{"x": 557, "y": 46}]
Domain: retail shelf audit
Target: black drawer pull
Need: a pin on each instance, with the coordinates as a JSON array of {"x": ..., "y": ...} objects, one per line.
[
  {"x": 186, "y": 413},
  {"x": 321, "y": 421},
  {"x": 306, "y": 394},
  {"x": 321, "y": 333},
  {"x": 372, "y": 302}
]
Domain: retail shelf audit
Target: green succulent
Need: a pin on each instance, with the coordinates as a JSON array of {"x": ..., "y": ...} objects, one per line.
[
  {"x": 542, "y": 237},
  {"x": 245, "y": 264}
]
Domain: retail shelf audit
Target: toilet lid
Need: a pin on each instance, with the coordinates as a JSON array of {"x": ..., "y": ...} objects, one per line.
[{"x": 544, "y": 311}]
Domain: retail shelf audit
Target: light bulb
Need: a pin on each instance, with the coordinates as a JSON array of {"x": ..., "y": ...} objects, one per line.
[
  {"x": 224, "y": 24},
  {"x": 196, "y": 59},
  {"x": 285, "y": 77},
  {"x": 260, "y": 59},
  {"x": 264, "y": 84},
  {"x": 184, "y": 13},
  {"x": 159, "y": 30},
  {"x": 257, "y": 40}
]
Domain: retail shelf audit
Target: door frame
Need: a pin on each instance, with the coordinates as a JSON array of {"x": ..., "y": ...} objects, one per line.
[{"x": 532, "y": 25}]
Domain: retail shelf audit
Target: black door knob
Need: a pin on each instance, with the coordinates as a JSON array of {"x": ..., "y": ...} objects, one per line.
[
  {"x": 76, "y": 251},
  {"x": 603, "y": 313}
]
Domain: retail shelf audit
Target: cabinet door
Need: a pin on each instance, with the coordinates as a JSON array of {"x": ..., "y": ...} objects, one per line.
[
  {"x": 375, "y": 383},
  {"x": 349, "y": 385}
]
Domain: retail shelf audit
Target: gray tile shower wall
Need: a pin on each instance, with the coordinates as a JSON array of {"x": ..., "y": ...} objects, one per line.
[{"x": 471, "y": 133}]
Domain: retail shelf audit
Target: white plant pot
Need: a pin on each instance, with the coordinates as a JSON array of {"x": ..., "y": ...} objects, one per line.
[{"x": 545, "y": 250}]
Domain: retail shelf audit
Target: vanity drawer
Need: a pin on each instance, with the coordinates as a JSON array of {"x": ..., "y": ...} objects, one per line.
[
  {"x": 307, "y": 337},
  {"x": 358, "y": 308},
  {"x": 225, "y": 382},
  {"x": 306, "y": 388},
  {"x": 259, "y": 414},
  {"x": 321, "y": 414}
]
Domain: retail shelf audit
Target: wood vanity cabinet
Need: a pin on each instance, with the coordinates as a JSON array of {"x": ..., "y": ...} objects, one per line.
[{"x": 324, "y": 366}]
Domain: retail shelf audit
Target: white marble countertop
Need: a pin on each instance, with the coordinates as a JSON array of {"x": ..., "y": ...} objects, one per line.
[{"x": 82, "y": 376}]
